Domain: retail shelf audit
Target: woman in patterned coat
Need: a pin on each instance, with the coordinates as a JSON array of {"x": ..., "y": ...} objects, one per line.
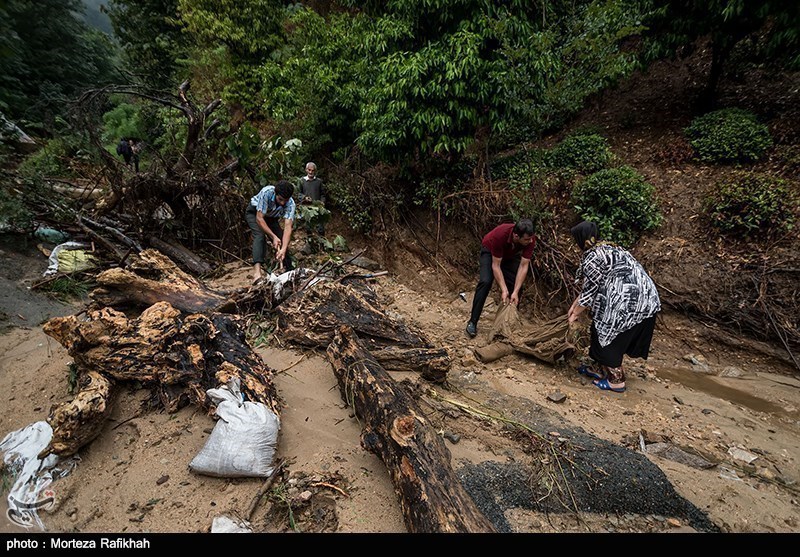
[{"x": 623, "y": 301}]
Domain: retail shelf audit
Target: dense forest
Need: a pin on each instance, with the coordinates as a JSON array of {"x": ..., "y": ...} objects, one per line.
[{"x": 441, "y": 106}]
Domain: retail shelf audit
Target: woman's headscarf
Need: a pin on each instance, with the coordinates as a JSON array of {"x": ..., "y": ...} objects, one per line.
[{"x": 586, "y": 234}]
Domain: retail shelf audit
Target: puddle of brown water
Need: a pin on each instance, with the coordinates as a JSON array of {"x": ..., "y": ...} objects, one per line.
[{"x": 709, "y": 385}]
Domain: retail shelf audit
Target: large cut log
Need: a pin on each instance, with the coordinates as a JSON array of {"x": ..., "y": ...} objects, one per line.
[
  {"x": 182, "y": 356},
  {"x": 78, "y": 422},
  {"x": 151, "y": 277},
  {"x": 396, "y": 430},
  {"x": 186, "y": 258},
  {"x": 311, "y": 319},
  {"x": 432, "y": 363}
]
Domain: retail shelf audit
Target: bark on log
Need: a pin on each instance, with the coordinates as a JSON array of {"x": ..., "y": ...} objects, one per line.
[
  {"x": 181, "y": 356},
  {"x": 187, "y": 259},
  {"x": 432, "y": 363},
  {"x": 150, "y": 278},
  {"x": 431, "y": 497},
  {"x": 311, "y": 319},
  {"x": 78, "y": 422}
]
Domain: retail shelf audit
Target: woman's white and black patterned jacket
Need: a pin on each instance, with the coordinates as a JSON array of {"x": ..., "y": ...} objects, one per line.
[{"x": 617, "y": 289}]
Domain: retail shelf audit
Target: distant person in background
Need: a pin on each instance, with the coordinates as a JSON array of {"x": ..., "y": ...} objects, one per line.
[
  {"x": 311, "y": 190},
  {"x": 136, "y": 148},
  {"x": 263, "y": 212},
  {"x": 505, "y": 256},
  {"x": 124, "y": 150},
  {"x": 624, "y": 303}
]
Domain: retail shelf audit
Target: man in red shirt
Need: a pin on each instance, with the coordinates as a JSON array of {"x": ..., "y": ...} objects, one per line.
[{"x": 505, "y": 256}]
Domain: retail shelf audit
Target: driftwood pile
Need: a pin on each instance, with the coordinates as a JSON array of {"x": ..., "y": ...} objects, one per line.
[{"x": 189, "y": 338}]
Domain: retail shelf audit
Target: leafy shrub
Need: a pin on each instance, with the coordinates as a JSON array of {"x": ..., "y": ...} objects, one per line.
[
  {"x": 124, "y": 120},
  {"x": 14, "y": 213},
  {"x": 584, "y": 153},
  {"x": 729, "y": 135},
  {"x": 51, "y": 160},
  {"x": 752, "y": 205},
  {"x": 352, "y": 204},
  {"x": 620, "y": 202}
]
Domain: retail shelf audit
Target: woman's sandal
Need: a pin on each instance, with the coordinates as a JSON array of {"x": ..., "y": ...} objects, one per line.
[
  {"x": 604, "y": 385},
  {"x": 589, "y": 371}
]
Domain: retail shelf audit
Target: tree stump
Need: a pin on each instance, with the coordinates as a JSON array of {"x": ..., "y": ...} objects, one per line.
[{"x": 180, "y": 356}]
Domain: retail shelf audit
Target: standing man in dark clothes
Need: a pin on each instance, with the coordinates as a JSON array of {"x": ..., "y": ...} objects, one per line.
[
  {"x": 124, "y": 149},
  {"x": 505, "y": 257},
  {"x": 311, "y": 190}
]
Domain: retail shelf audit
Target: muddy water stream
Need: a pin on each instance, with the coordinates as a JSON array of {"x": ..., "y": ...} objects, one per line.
[{"x": 711, "y": 385}]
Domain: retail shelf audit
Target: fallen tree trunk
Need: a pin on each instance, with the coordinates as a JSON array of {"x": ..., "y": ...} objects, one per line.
[
  {"x": 179, "y": 356},
  {"x": 432, "y": 363},
  {"x": 150, "y": 278},
  {"x": 78, "y": 422},
  {"x": 313, "y": 318},
  {"x": 431, "y": 497},
  {"x": 183, "y": 256}
]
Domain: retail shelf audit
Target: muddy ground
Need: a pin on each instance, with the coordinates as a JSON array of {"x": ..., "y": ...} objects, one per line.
[{"x": 530, "y": 463}]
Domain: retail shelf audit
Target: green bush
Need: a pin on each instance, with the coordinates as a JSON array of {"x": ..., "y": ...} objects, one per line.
[
  {"x": 50, "y": 160},
  {"x": 728, "y": 135},
  {"x": 352, "y": 204},
  {"x": 752, "y": 205},
  {"x": 620, "y": 202},
  {"x": 584, "y": 153}
]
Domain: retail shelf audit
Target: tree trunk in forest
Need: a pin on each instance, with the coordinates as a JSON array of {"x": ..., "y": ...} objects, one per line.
[
  {"x": 151, "y": 277},
  {"x": 431, "y": 497},
  {"x": 181, "y": 356}
]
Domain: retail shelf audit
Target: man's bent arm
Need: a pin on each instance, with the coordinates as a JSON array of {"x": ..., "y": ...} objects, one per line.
[{"x": 522, "y": 272}]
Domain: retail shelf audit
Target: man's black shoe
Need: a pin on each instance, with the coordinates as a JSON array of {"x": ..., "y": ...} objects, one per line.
[{"x": 472, "y": 329}]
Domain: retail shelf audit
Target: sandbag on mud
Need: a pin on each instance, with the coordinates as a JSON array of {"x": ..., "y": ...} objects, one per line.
[
  {"x": 548, "y": 341},
  {"x": 243, "y": 441}
]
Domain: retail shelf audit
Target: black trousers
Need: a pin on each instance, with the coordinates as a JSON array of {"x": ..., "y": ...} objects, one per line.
[
  {"x": 635, "y": 342},
  {"x": 509, "y": 267}
]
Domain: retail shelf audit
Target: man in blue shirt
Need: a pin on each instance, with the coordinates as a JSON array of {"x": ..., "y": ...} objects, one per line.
[{"x": 263, "y": 212}]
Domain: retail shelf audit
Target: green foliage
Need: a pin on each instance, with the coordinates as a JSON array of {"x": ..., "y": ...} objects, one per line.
[
  {"x": 729, "y": 135},
  {"x": 152, "y": 39},
  {"x": 68, "y": 288},
  {"x": 585, "y": 153},
  {"x": 14, "y": 212},
  {"x": 317, "y": 82},
  {"x": 752, "y": 205},
  {"x": 674, "y": 26},
  {"x": 313, "y": 214},
  {"x": 47, "y": 55},
  {"x": 124, "y": 120},
  {"x": 239, "y": 35},
  {"x": 620, "y": 202},
  {"x": 272, "y": 159},
  {"x": 352, "y": 204},
  {"x": 56, "y": 158},
  {"x": 443, "y": 70}
]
